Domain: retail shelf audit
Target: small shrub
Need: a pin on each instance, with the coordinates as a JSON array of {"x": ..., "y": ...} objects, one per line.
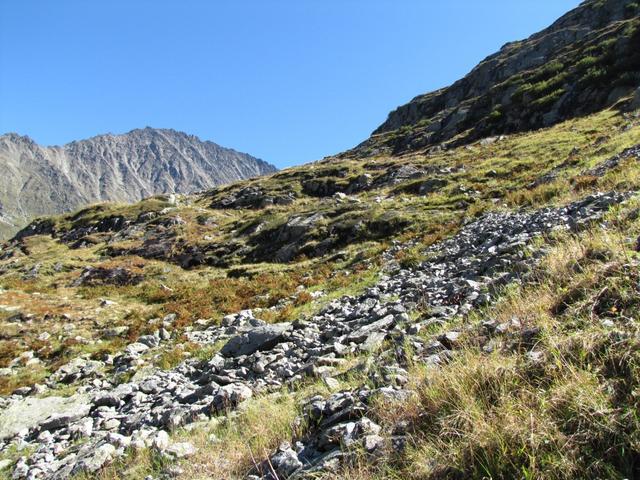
[
  {"x": 521, "y": 91},
  {"x": 550, "y": 98},
  {"x": 594, "y": 75},
  {"x": 552, "y": 68},
  {"x": 587, "y": 62},
  {"x": 584, "y": 182},
  {"x": 303, "y": 298},
  {"x": 410, "y": 258},
  {"x": 495, "y": 115},
  {"x": 631, "y": 9},
  {"x": 537, "y": 196}
]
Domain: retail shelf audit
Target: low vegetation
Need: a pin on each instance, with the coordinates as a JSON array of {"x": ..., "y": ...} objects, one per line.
[
  {"x": 564, "y": 406},
  {"x": 569, "y": 413}
]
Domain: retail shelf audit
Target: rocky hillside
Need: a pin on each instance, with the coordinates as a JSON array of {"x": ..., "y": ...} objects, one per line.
[
  {"x": 586, "y": 61},
  {"x": 266, "y": 329},
  {"x": 121, "y": 168},
  {"x": 451, "y": 313}
]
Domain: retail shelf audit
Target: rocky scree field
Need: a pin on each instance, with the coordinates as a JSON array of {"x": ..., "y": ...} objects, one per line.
[{"x": 370, "y": 318}]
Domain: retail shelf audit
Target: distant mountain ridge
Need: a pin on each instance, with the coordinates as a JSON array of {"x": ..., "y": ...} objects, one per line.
[
  {"x": 40, "y": 180},
  {"x": 587, "y": 60}
]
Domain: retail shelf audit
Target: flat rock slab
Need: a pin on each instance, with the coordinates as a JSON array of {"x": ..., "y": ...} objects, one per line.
[
  {"x": 31, "y": 412},
  {"x": 363, "y": 332},
  {"x": 259, "y": 338}
]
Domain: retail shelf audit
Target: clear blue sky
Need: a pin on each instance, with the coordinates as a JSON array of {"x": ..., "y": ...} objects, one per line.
[{"x": 289, "y": 81}]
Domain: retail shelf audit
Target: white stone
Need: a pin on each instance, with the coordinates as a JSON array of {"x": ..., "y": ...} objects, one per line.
[
  {"x": 181, "y": 450},
  {"x": 160, "y": 441}
]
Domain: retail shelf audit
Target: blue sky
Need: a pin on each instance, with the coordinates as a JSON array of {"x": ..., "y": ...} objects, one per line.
[{"x": 289, "y": 81}]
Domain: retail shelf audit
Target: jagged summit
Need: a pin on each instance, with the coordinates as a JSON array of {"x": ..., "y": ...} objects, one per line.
[
  {"x": 145, "y": 132},
  {"x": 586, "y": 61},
  {"x": 127, "y": 167}
]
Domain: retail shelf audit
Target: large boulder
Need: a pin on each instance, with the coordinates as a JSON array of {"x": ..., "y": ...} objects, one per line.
[
  {"x": 362, "y": 333},
  {"x": 260, "y": 338},
  {"x": 76, "y": 369},
  {"x": 396, "y": 175},
  {"x": 28, "y": 413},
  {"x": 297, "y": 227},
  {"x": 285, "y": 462},
  {"x": 283, "y": 242},
  {"x": 92, "y": 276},
  {"x": 93, "y": 459}
]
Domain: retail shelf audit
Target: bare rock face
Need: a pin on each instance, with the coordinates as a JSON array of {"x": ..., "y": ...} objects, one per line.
[
  {"x": 635, "y": 103},
  {"x": 587, "y": 60},
  {"x": 40, "y": 180}
]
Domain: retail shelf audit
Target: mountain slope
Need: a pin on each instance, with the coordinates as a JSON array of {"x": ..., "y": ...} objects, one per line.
[
  {"x": 124, "y": 168},
  {"x": 464, "y": 312},
  {"x": 338, "y": 292},
  {"x": 585, "y": 61}
]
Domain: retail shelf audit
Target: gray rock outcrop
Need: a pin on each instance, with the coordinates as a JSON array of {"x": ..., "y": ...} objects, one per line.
[{"x": 585, "y": 61}]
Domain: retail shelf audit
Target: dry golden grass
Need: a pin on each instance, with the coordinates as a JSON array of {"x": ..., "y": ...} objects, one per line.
[
  {"x": 573, "y": 414},
  {"x": 249, "y": 438},
  {"x": 489, "y": 415}
]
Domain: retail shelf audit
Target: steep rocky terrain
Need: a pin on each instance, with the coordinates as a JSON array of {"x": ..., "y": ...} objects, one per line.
[
  {"x": 460, "y": 312},
  {"x": 587, "y": 60},
  {"x": 40, "y": 180},
  {"x": 265, "y": 329}
]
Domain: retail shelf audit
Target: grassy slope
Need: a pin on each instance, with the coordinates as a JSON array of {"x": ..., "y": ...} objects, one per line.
[
  {"x": 494, "y": 414},
  {"x": 578, "y": 405},
  {"x": 485, "y": 178},
  {"x": 572, "y": 412}
]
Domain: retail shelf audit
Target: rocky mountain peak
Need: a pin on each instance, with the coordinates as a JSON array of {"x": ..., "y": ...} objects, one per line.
[
  {"x": 125, "y": 168},
  {"x": 16, "y": 138}
]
